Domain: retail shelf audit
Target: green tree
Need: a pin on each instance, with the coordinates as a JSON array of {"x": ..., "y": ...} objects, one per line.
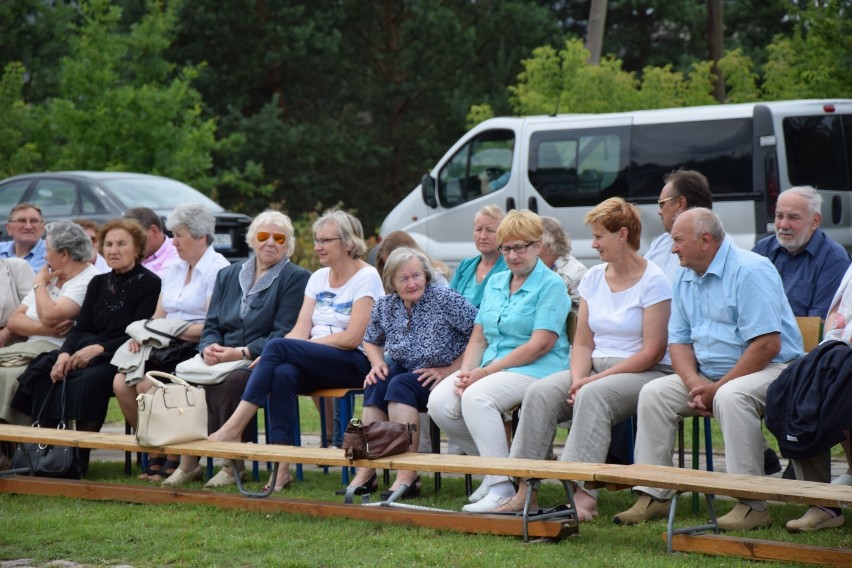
[{"x": 17, "y": 153}]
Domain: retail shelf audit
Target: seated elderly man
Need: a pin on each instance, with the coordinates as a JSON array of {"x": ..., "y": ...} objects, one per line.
[
  {"x": 810, "y": 263},
  {"x": 731, "y": 333}
]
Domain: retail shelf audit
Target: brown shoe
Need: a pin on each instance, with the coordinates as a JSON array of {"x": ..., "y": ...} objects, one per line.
[
  {"x": 644, "y": 509},
  {"x": 815, "y": 519},
  {"x": 744, "y": 518}
]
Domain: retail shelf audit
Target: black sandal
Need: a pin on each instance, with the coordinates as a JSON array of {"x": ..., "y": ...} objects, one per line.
[
  {"x": 157, "y": 462},
  {"x": 412, "y": 491},
  {"x": 168, "y": 468},
  {"x": 371, "y": 485}
]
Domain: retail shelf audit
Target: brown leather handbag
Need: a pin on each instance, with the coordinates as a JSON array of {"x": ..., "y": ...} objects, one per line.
[{"x": 376, "y": 440}]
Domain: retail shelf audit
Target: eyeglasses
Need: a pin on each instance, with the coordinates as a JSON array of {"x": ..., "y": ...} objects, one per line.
[
  {"x": 662, "y": 202},
  {"x": 323, "y": 242},
  {"x": 519, "y": 249},
  {"x": 25, "y": 221},
  {"x": 263, "y": 236}
]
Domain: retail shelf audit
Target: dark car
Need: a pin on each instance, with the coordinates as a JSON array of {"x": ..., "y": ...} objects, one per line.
[{"x": 101, "y": 196}]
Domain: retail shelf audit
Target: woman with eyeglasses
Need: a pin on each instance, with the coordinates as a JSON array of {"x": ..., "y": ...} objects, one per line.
[
  {"x": 619, "y": 346},
  {"x": 253, "y": 302},
  {"x": 519, "y": 337},
  {"x": 324, "y": 349}
]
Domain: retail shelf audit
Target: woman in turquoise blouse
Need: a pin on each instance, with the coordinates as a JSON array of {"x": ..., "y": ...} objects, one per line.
[
  {"x": 472, "y": 273},
  {"x": 518, "y": 338}
]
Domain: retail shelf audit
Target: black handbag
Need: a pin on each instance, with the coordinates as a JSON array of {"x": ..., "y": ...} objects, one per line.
[
  {"x": 47, "y": 460},
  {"x": 167, "y": 358}
]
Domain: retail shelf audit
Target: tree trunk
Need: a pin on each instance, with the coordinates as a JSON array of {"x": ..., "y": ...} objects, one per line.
[
  {"x": 715, "y": 43},
  {"x": 595, "y": 31}
]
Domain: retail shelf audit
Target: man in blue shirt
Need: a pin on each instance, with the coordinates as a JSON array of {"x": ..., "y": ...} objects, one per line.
[
  {"x": 731, "y": 333},
  {"x": 26, "y": 227},
  {"x": 810, "y": 263}
]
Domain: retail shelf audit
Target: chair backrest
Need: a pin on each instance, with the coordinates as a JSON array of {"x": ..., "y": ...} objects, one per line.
[{"x": 811, "y": 329}]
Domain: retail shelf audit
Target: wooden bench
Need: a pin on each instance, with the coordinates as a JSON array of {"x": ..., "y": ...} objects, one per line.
[{"x": 611, "y": 476}]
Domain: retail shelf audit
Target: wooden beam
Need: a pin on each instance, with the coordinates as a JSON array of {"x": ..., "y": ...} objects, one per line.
[
  {"x": 457, "y": 522},
  {"x": 756, "y": 549}
]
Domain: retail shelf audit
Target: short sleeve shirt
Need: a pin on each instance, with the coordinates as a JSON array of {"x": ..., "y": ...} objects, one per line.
[
  {"x": 334, "y": 305},
  {"x": 74, "y": 290},
  {"x": 739, "y": 297},
  {"x": 616, "y": 318},
  {"x": 434, "y": 335},
  {"x": 508, "y": 320}
]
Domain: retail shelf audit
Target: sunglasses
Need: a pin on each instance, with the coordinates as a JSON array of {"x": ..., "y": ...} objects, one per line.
[{"x": 279, "y": 238}]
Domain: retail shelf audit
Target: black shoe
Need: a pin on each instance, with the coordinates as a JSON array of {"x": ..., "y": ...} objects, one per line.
[
  {"x": 790, "y": 472},
  {"x": 771, "y": 463},
  {"x": 371, "y": 485},
  {"x": 410, "y": 492}
]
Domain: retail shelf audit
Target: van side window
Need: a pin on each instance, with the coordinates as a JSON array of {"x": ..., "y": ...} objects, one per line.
[
  {"x": 816, "y": 152},
  {"x": 579, "y": 167},
  {"x": 720, "y": 149},
  {"x": 481, "y": 166}
]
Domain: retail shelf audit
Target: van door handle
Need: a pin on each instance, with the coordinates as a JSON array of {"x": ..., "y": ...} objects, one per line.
[
  {"x": 510, "y": 203},
  {"x": 836, "y": 210},
  {"x": 532, "y": 204}
]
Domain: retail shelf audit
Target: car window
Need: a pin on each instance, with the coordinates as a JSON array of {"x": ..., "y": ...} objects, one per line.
[
  {"x": 156, "y": 193},
  {"x": 481, "y": 166},
  {"x": 10, "y": 195},
  {"x": 55, "y": 197},
  {"x": 817, "y": 152}
]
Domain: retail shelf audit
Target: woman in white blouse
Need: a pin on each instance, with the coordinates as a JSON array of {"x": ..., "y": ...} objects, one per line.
[
  {"x": 619, "y": 346},
  {"x": 186, "y": 290}
]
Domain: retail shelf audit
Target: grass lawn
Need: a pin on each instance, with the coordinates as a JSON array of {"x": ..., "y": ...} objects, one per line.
[{"x": 107, "y": 533}]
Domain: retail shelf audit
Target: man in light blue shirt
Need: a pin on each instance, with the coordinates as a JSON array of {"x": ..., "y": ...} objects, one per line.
[
  {"x": 26, "y": 227},
  {"x": 731, "y": 333}
]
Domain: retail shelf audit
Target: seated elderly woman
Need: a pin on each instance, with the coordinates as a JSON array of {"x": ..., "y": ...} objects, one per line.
[
  {"x": 253, "y": 302},
  {"x": 415, "y": 339},
  {"x": 518, "y": 338},
  {"x": 556, "y": 255},
  {"x": 48, "y": 311},
  {"x": 324, "y": 348},
  {"x": 184, "y": 297},
  {"x": 619, "y": 346},
  {"x": 472, "y": 274},
  {"x": 397, "y": 239},
  {"x": 113, "y": 301}
]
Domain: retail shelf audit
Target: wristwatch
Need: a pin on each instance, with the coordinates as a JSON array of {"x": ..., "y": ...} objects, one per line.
[
  {"x": 245, "y": 353},
  {"x": 36, "y": 285}
]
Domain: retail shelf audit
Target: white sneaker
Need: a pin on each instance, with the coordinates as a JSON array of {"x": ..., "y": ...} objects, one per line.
[
  {"x": 479, "y": 494},
  {"x": 844, "y": 479},
  {"x": 487, "y": 504}
]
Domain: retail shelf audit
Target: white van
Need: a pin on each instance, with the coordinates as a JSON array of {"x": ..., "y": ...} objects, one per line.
[{"x": 564, "y": 165}]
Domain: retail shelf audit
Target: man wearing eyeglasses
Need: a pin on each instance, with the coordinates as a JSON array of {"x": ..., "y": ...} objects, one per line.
[
  {"x": 683, "y": 189},
  {"x": 160, "y": 252},
  {"x": 26, "y": 227}
]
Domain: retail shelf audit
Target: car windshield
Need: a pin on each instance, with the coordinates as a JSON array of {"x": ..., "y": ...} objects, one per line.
[{"x": 157, "y": 193}]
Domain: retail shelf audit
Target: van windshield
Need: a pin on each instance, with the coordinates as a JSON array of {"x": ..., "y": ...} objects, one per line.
[{"x": 482, "y": 166}]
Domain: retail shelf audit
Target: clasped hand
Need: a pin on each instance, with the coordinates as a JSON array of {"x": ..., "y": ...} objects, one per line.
[{"x": 702, "y": 396}]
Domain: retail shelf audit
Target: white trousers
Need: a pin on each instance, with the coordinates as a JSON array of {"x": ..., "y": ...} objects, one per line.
[
  {"x": 738, "y": 406},
  {"x": 475, "y": 420}
]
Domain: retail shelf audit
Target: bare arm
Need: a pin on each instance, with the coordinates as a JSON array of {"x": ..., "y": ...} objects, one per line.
[
  {"x": 583, "y": 346},
  {"x": 655, "y": 337}
]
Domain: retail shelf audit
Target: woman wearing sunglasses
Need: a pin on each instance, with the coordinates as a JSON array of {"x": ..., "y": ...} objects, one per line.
[
  {"x": 324, "y": 349},
  {"x": 252, "y": 303}
]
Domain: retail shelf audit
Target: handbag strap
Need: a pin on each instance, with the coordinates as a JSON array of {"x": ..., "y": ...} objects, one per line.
[
  {"x": 163, "y": 333},
  {"x": 44, "y": 405},
  {"x": 152, "y": 376}
]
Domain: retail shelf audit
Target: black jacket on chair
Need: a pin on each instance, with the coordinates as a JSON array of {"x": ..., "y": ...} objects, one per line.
[{"x": 810, "y": 402}]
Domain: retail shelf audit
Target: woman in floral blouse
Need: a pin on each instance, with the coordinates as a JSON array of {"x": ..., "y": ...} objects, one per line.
[{"x": 415, "y": 339}]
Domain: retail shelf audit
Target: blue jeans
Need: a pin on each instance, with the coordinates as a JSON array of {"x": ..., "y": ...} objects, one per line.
[{"x": 290, "y": 367}]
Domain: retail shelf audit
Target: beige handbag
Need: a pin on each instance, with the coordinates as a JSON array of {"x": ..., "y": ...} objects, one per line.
[{"x": 170, "y": 413}]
